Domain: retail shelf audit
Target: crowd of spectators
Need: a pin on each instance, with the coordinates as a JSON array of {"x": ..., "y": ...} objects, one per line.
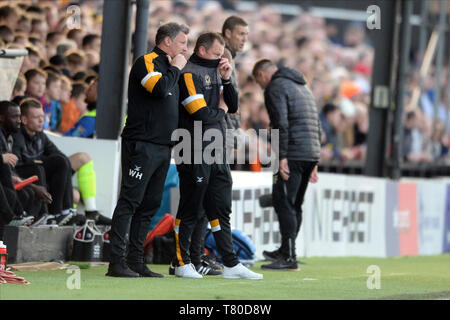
[{"x": 62, "y": 61}]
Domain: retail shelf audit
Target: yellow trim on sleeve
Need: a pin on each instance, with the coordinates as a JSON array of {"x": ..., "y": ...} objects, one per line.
[
  {"x": 190, "y": 84},
  {"x": 148, "y": 58},
  {"x": 194, "y": 106},
  {"x": 150, "y": 84}
]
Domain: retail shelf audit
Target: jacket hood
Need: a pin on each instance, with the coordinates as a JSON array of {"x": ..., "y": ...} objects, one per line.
[{"x": 291, "y": 74}]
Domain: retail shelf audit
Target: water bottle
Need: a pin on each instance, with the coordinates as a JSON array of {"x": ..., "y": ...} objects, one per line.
[{"x": 3, "y": 255}]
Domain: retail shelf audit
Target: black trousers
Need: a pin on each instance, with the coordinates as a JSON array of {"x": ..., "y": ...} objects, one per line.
[
  {"x": 144, "y": 170},
  {"x": 10, "y": 204},
  {"x": 56, "y": 175},
  {"x": 287, "y": 201},
  {"x": 204, "y": 188},
  {"x": 23, "y": 199}
]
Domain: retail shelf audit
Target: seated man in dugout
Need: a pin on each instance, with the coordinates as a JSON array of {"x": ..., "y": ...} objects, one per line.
[
  {"x": 37, "y": 155},
  {"x": 80, "y": 163}
]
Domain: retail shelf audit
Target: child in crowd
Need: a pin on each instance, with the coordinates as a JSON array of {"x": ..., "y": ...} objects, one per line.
[
  {"x": 85, "y": 127},
  {"x": 20, "y": 86},
  {"x": 70, "y": 112},
  {"x": 76, "y": 107},
  {"x": 52, "y": 107},
  {"x": 36, "y": 83}
]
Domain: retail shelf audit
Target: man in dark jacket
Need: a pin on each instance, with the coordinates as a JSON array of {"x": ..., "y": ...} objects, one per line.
[
  {"x": 37, "y": 155},
  {"x": 235, "y": 34},
  {"x": 146, "y": 147},
  {"x": 292, "y": 110},
  {"x": 206, "y": 183},
  {"x": 12, "y": 204}
]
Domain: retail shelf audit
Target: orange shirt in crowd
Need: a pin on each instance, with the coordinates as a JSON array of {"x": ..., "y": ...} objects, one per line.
[{"x": 70, "y": 116}]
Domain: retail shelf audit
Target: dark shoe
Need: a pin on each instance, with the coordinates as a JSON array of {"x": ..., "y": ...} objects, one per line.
[
  {"x": 272, "y": 255},
  {"x": 121, "y": 270},
  {"x": 172, "y": 269},
  {"x": 98, "y": 218},
  {"x": 211, "y": 263},
  {"x": 207, "y": 271},
  {"x": 282, "y": 264},
  {"x": 144, "y": 271}
]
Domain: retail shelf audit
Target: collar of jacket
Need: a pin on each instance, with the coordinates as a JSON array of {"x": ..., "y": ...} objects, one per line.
[
  {"x": 26, "y": 135},
  {"x": 233, "y": 54},
  {"x": 161, "y": 52},
  {"x": 204, "y": 62}
]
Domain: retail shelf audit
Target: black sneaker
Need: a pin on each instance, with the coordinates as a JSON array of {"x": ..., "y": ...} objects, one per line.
[
  {"x": 144, "y": 271},
  {"x": 272, "y": 255},
  {"x": 98, "y": 218},
  {"x": 207, "y": 271},
  {"x": 211, "y": 263},
  {"x": 282, "y": 264},
  {"x": 121, "y": 270},
  {"x": 172, "y": 269}
]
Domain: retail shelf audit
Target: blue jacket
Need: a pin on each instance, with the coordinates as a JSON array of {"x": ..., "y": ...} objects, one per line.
[
  {"x": 85, "y": 126},
  {"x": 53, "y": 115}
]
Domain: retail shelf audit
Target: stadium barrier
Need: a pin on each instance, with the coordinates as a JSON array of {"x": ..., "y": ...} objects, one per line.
[
  {"x": 346, "y": 215},
  {"x": 343, "y": 215}
]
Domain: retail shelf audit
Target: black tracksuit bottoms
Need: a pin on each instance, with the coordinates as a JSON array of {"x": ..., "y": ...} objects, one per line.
[
  {"x": 144, "y": 170},
  {"x": 197, "y": 248},
  {"x": 287, "y": 197},
  {"x": 204, "y": 188}
]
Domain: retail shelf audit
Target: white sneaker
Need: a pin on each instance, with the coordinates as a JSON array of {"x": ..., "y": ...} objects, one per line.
[
  {"x": 187, "y": 271},
  {"x": 240, "y": 272}
]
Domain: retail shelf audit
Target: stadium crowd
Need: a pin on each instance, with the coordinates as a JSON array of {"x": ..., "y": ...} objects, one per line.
[
  {"x": 338, "y": 69},
  {"x": 60, "y": 72}
]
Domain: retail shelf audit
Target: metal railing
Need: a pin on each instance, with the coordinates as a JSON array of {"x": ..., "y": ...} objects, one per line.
[
  {"x": 13, "y": 53},
  {"x": 356, "y": 167}
]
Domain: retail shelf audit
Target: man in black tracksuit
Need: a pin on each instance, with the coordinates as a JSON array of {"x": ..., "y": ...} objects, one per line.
[
  {"x": 205, "y": 183},
  {"x": 153, "y": 95},
  {"x": 292, "y": 110},
  {"x": 235, "y": 35},
  {"x": 39, "y": 156}
]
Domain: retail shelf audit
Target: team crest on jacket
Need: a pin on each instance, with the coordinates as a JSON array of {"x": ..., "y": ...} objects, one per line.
[{"x": 207, "y": 80}]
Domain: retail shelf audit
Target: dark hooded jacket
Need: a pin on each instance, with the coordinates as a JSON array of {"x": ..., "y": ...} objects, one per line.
[{"x": 293, "y": 111}]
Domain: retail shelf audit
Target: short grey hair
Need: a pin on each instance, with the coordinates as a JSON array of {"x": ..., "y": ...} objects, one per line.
[{"x": 171, "y": 30}]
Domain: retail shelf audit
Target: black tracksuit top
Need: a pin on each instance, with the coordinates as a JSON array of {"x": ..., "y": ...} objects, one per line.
[
  {"x": 200, "y": 86},
  {"x": 153, "y": 97}
]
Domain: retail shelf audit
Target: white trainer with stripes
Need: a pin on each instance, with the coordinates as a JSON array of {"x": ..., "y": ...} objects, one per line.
[
  {"x": 187, "y": 271},
  {"x": 239, "y": 271}
]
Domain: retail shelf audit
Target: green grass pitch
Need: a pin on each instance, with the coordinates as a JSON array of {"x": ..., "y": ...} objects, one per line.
[{"x": 425, "y": 277}]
